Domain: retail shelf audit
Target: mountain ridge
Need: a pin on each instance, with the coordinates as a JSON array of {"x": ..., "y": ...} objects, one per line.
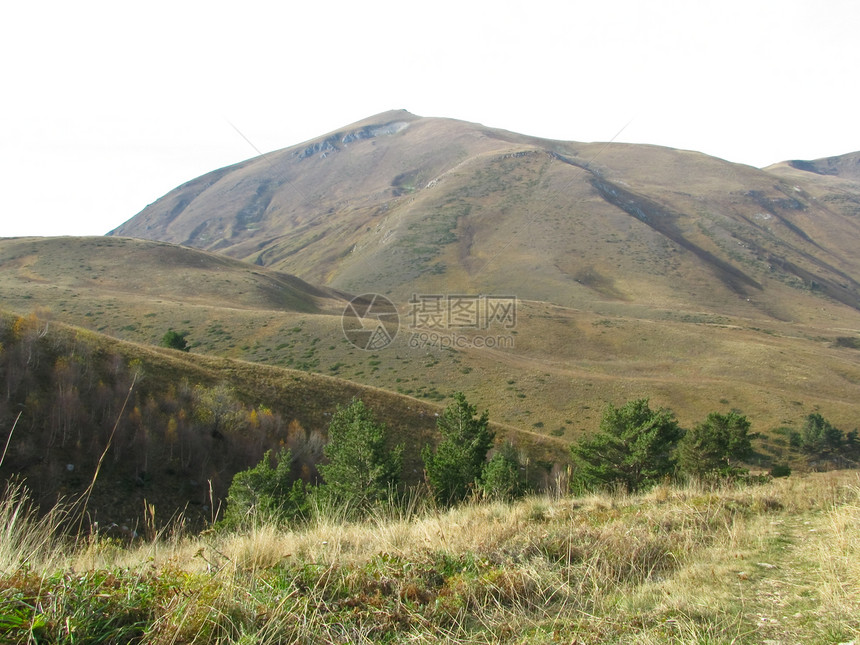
[{"x": 398, "y": 202}]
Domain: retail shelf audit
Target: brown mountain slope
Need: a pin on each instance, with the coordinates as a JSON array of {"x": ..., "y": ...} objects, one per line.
[
  {"x": 400, "y": 204},
  {"x": 639, "y": 271}
]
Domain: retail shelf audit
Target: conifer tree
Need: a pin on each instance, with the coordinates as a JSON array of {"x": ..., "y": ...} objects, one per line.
[
  {"x": 362, "y": 469},
  {"x": 454, "y": 468}
]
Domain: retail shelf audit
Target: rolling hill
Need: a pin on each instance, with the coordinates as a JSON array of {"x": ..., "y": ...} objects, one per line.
[{"x": 152, "y": 270}]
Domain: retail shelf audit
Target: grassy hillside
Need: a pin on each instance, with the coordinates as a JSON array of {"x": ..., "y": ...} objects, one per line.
[
  {"x": 551, "y": 374},
  {"x": 137, "y": 273},
  {"x": 170, "y": 428},
  {"x": 776, "y": 563}
]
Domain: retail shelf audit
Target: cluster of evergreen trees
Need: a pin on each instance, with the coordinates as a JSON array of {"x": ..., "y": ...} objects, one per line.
[
  {"x": 821, "y": 439},
  {"x": 636, "y": 447},
  {"x": 362, "y": 469}
]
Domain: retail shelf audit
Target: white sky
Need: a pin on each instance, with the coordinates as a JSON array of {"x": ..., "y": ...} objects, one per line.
[{"x": 106, "y": 106}]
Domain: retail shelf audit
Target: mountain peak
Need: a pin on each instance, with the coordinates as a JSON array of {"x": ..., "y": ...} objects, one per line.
[{"x": 385, "y": 117}]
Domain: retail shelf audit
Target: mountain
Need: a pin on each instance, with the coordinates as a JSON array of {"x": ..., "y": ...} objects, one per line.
[{"x": 399, "y": 204}]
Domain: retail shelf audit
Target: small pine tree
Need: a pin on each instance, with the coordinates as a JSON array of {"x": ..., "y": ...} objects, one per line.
[
  {"x": 819, "y": 436},
  {"x": 361, "y": 470},
  {"x": 715, "y": 445},
  {"x": 634, "y": 448},
  {"x": 503, "y": 477},
  {"x": 454, "y": 468}
]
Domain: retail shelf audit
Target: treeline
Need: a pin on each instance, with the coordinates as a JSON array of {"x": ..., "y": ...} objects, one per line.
[{"x": 637, "y": 447}]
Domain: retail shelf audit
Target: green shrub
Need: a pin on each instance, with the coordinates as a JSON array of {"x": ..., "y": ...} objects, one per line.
[
  {"x": 175, "y": 340},
  {"x": 780, "y": 470},
  {"x": 263, "y": 493}
]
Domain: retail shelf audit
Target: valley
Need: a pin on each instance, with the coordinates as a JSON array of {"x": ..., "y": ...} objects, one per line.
[{"x": 631, "y": 272}]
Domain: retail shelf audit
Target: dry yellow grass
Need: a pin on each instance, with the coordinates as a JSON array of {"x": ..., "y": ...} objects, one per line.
[{"x": 774, "y": 563}]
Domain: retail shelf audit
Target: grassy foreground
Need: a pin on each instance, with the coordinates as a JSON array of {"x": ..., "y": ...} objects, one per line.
[{"x": 774, "y": 563}]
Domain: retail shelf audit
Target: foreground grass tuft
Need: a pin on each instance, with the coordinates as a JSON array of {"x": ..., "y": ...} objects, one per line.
[{"x": 778, "y": 562}]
